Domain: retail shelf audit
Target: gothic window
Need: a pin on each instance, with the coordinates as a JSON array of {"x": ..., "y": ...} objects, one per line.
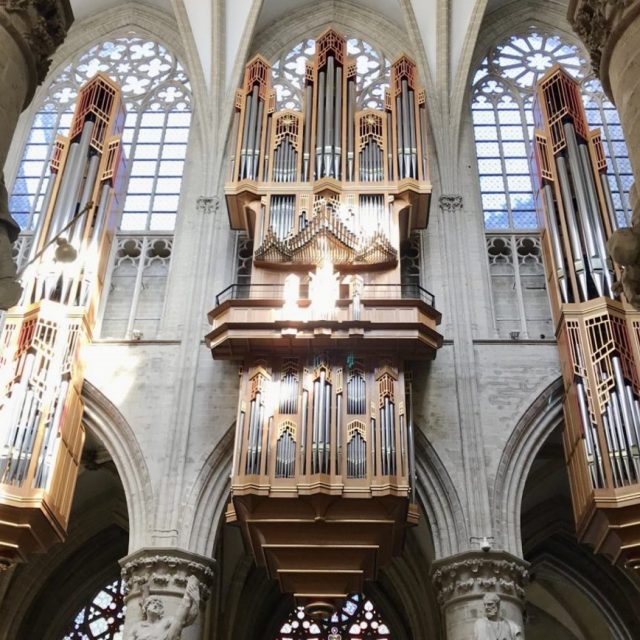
[
  {"x": 372, "y": 70},
  {"x": 102, "y": 618},
  {"x": 503, "y": 90},
  {"x": 357, "y": 619},
  {"x": 158, "y": 101}
]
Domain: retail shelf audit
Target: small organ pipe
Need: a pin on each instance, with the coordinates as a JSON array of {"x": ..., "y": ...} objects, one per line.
[
  {"x": 592, "y": 442},
  {"x": 615, "y": 470}
]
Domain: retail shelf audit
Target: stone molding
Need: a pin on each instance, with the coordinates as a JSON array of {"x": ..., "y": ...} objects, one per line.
[
  {"x": 599, "y": 24},
  {"x": 39, "y": 27},
  {"x": 470, "y": 575},
  {"x": 450, "y": 203},
  {"x": 165, "y": 571}
]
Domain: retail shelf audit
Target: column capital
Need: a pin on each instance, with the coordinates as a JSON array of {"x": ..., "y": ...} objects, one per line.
[
  {"x": 165, "y": 571},
  {"x": 38, "y": 28},
  {"x": 599, "y": 24},
  {"x": 470, "y": 575},
  {"x": 450, "y": 202},
  {"x": 208, "y": 204}
]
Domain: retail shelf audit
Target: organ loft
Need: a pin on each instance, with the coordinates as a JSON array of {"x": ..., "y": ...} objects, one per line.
[{"x": 325, "y": 329}]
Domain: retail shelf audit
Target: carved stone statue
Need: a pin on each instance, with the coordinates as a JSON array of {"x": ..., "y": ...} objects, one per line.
[
  {"x": 10, "y": 289},
  {"x": 624, "y": 248},
  {"x": 493, "y": 626},
  {"x": 155, "y": 625}
]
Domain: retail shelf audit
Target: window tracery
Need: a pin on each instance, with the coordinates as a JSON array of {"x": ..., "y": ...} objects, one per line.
[
  {"x": 157, "y": 95},
  {"x": 357, "y": 619},
  {"x": 372, "y": 71},
  {"x": 502, "y": 97},
  {"x": 102, "y": 618}
]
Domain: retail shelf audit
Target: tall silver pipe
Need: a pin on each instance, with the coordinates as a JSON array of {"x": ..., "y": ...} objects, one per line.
[
  {"x": 303, "y": 431},
  {"x": 405, "y": 129},
  {"x": 41, "y": 218},
  {"x": 383, "y": 438},
  {"x": 266, "y": 169},
  {"x": 621, "y": 434},
  {"x": 306, "y": 157},
  {"x": 411, "y": 443},
  {"x": 244, "y": 147},
  {"x": 613, "y": 460},
  {"x": 337, "y": 128},
  {"x": 389, "y": 146},
  {"x": 328, "y": 117},
  {"x": 591, "y": 441},
  {"x": 412, "y": 135},
  {"x": 594, "y": 208},
  {"x": 320, "y": 123},
  {"x": 257, "y": 145},
  {"x": 372, "y": 439},
  {"x": 63, "y": 189},
  {"x": 399, "y": 136},
  {"x": 584, "y": 215},
  {"x": 66, "y": 203},
  {"x": 572, "y": 227},
  {"x": 316, "y": 423},
  {"x": 556, "y": 243},
  {"x": 350, "y": 127},
  {"x": 338, "y": 446},
  {"x": 327, "y": 429},
  {"x": 251, "y": 143},
  {"x": 423, "y": 135},
  {"x": 77, "y": 230},
  {"x": 625, "y": 406}
]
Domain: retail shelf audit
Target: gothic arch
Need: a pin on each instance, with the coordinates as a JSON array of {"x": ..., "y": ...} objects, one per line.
[
  {"x": 530, "y": 433},
  {"x": 147, "y": 22},
  {"x": 104, "y": 420},
  {"x": 207, "y": 498},
  {"x": 439, "y": 500}
]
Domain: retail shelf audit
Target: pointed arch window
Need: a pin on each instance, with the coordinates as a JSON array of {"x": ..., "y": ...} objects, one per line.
[
  {"x": 157, "y": 96},
  {"x": 102, "y": 618},
  {"x": 357, "y": 619},
  {"x": 502, "y": 96}
]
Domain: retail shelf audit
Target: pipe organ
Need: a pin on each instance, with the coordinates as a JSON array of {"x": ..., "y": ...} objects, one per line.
[
  {"x": 323, "y": 458},
  {"x": 41, "y": 345},
  {"x": 598, "y": 333}
]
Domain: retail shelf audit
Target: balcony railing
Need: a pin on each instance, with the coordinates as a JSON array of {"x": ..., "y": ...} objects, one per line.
[{"x": 242, "y": 291}]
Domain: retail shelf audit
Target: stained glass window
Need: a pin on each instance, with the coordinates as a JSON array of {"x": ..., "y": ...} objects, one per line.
[
  {"x": 158, "y": 99},
  {"x": 503, "y": 89},
  {"x": 372, "y": 71},
  {"x": 102, "y": 618},
  {"x": 357, "y": 619}
]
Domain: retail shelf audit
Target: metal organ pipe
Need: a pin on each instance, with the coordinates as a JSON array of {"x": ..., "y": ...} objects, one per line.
[
  {"x": 253, "y": 117},
  {"x": 412, "y": 135},
  {"x": 556, "y": 243},
  {"x": 604, "y": 181},
  {"x": 337, "y": 128},
  {"x": 406, "y": 130},
  {"x": 399, "y": 136},
  {"x": 572, "y": 227},
  {"x": 328, "y": 117},
  {"x": 350, "y": 127},
  {"x": 306, "y": 157},
  {"x": 303, "y": 431},
  {"x": 244, "y": 147},
  {"x": 320, "y": 123}
]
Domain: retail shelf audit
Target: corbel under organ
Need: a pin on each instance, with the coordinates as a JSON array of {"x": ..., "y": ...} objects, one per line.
[{"x": 322, "y": 478}]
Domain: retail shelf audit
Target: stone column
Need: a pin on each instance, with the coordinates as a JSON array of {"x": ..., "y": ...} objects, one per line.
[
  {"x": 166, "y": 586},
  {"x": 30, "y": 32},
  {"x": 462, "y": 583}
]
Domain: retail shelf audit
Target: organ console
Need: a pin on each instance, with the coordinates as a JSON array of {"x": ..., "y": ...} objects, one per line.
[
  {"x": 323, "y": 468},
  {"x": 598, "y": 333},
  {"x": 42, "y": 341}
]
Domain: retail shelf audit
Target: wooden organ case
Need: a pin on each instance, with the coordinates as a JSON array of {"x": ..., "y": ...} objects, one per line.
[
  {"x": 41, "y": 345},
  {"x": 322, "y": 468},
  {"x": 598, "y": 333}
]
